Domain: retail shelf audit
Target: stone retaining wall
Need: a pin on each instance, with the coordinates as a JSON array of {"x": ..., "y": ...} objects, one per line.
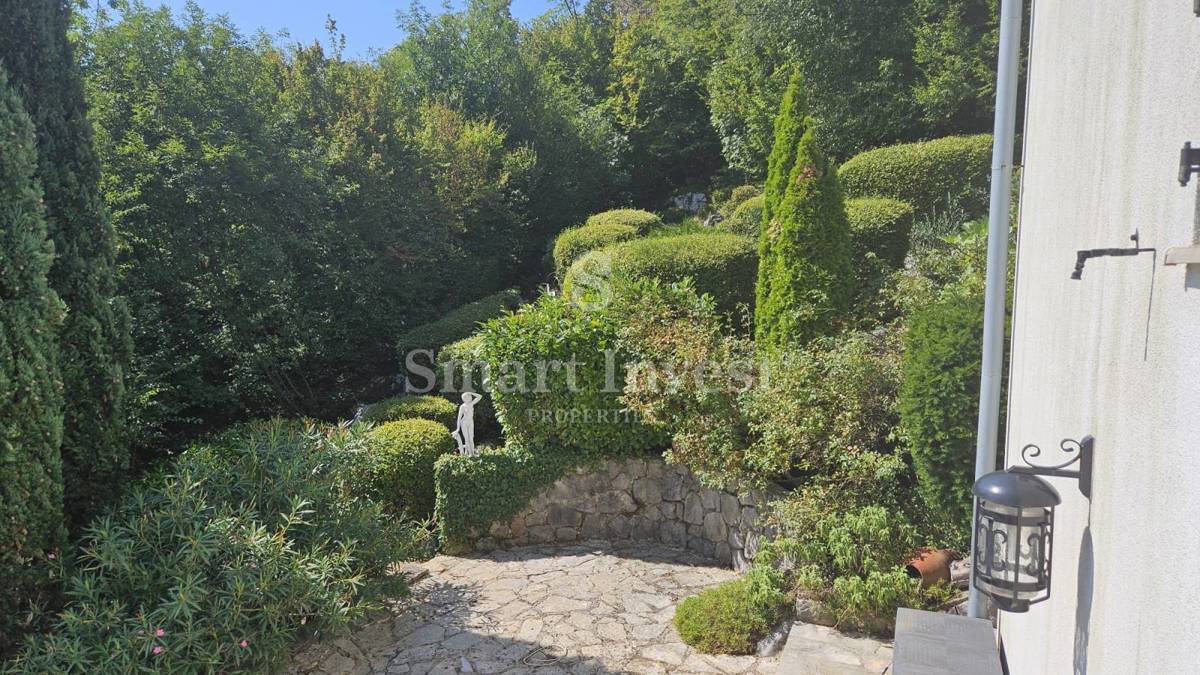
[{"x": 640, "y": 499}]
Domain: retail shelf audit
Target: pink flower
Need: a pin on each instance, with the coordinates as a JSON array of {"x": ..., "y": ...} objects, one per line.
[
  {"x": 160, "y": 632},
  {"x": 157, "y": 649},
  {"x": 244, "y": 644},
  {"x": 51, "y": 556}
]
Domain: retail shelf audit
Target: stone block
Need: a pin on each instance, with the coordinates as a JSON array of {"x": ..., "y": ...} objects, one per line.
[
  {"x": 672, "y": 487},
  {"x": 669, "y": 511},
  {"x": 499, "y": 531},
  {"x": 693, "y": 509},
  {"x": 621, "y": 482},
  {"x": 715, "y": 529},
  {"x": 722, "y": 553},
  {"x": 673, "y": 533},
  {"x": 566, "y": 534},
  {"x": 594, "y": 526},
  {"x": 647, "y": 492},
  {"x": 619, "y": 527},
  {"x": 696, "y": 544},
  {"x": 731, "y": 510},
  {"x": 644, "y": 528},
  {"x": 541, "y": 534},
  {"x": 486, "y": 545},
  {"x": 563, "y": 516},
  {"x": 535, "y": 518},
  {"x": 740, "y": 564},
  {"x": 655, "y": 468},
  {"x": 615, "y": 502},
  {"x": 516, "y": 528},
  {"x": 736, "y": 540},
  {"x": 710, "y": 498},
  {"x": 749, "y": 518}
]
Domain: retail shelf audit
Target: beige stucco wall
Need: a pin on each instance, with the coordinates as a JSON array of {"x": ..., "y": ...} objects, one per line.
[{"x": 1114, "y": 93}]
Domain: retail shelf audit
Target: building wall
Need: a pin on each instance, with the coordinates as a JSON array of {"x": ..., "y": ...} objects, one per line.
[{"x": 1114, "y": 94}]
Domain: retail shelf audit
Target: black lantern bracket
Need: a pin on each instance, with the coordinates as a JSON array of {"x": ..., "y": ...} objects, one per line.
[{"x": 1083, "y": 452}]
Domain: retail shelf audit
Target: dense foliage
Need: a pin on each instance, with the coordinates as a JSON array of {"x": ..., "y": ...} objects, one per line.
[
  {"x": 93, "y": 352},
  {"x": 456, "y": 324},
  {"x": 805, "y": 275},
  {"x": 573, "y": 243},
  {"x": 434, "y": 408},
  {"x": 880, "y": 231},
  {"x": 248, "y": 544},
  {"x": 930, "y": 176},
  {"x": 733, "y": 617},
  {"x": 722, "y": 265},
  {"x": 31, "y": 414},
  {"x": 747, "y": 218},
  {"x": 398, "y": 465}
]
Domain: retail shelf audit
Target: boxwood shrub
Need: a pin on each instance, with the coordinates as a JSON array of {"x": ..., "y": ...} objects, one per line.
[
  {"x": 577, "y": 241},
  {"x": 930, "y": 176},
  {"x": 722, "y": 265},
  {"x": 474, "y": 492},
  {"x": 642, "y": 221},
  {"x": 740, "y": 195},
  {"x": 398, "y": 466},
  {"x": 434, "y": 408},
  {"x": 557, "y": 372},
  {"x": 746, "y": 219},
  {"x": 880, "y": 230},
  {"x": 457, "y": 324}
]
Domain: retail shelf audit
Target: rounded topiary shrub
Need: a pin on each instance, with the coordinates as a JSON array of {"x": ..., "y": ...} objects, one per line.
[
  {"x": 737, "y": 197},
  {"x": 577, "y": 241},
  {"x": 400, "y": 460},
  {"x": 433, "y": 408},
  {"x": 746, "y": 219},
  {"x": 457, "y": 324},
  {"x": 556, "y": 373},
  {"x": 733, "y": 617},
  {"x": 880, "y": 227},
  {"x": 722, "y": 265},
  {"x": 931, "y": 176},
  {"x": 642, "y": 221}
]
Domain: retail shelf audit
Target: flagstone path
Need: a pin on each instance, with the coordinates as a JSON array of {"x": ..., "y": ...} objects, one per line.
[{"x": 593, "y": 608}]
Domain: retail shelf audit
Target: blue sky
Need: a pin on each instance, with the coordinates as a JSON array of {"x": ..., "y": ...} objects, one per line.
[{"x": 367, "y": 24}]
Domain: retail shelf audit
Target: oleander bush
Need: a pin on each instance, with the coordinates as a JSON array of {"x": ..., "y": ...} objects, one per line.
[
  {"x": 719, "y": 264},
  {"x": 397, "y": 468},
  {"x": 493, "y": 486},
  {"x": 457, "y": 324},
  {"x": 731, "y": 618},
  {"x": 642, "y": 221},
  {"x": 575, "y": 242},
  {"x": 246, "y": 545},
  {"x": 746, "y": 219},
  {"x": 930, "y": 176},
  {"x": 557, "y": 371},
  {"x": 434, "y": 408}
]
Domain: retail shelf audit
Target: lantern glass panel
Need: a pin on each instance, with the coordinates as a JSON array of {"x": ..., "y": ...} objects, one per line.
[{"x": 1012, "y": 557}]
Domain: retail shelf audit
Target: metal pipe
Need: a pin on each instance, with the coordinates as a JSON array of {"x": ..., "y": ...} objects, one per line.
[{"x": 1012, "y": 13}]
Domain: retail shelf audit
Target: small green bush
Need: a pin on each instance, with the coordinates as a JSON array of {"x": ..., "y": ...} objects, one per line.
[
  {"x": 247, "y": 545},
  {"x": 642, "y": 221},
  {"x": 939, "y": 400},
  {"x": 457, "y": 324},
  {"x": 399, "y": 464},
  {"x": 733, "y": 617},
  {"x": 930, "y": 176},
  {"x": 740, "y": 195},
  {"x": 880, "y": 230},
  {"x": 493, "y": 486},
  {"x": 434, "y": 408},
  {"x": 746, "y": 219},
  {"x": 556, "y": 372},
  {"x": 722, "y": 265},
  {"x": 577, "y": 241}
]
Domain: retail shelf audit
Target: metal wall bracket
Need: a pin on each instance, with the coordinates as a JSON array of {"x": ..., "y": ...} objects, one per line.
[
  {"x": 1196, "y": 4},
  {"x": 1189, "y": 157},
  {"x": 1081, "y": 257},
  {"x": 1083, "y": 452}
]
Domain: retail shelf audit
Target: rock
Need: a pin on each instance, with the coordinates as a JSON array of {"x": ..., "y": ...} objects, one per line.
[
  {"x": 695, "y": 544},
  {"x": 672, "y": 487},
  {"x": 516, "y": 528},
  {"x": 710, "y": 498},
  {"x": 566, "y": 534},
  {"x": 740, "y": 564},
  {"x": 773, "y": 642},
  {"x": 615, "y": 502},
  {"x": 669, "y": 511},
  {"x": 749, "y": 519},
  {"x": 619, "y": 527},
  {"x": 647, "y": 492},
  {"x": 714, "y": 528},
  {"x": 693, "y": 510},
  {"x": 541, "y": 534},
  {"x": 673, "y": 533},
  {"x": 736, "y": 541},
  {"x": 500, "y": 531},
  {"x": 487, "y": 544},
  {"x": 593, "y": 526},
  {"x": 655, "y": 468},
  {"x": 813, "y": 612},
  {"x": 731, "y": 510},
  {"x": 621, "y": 482},
  {"x": 535, "y": 518},
  {"x": 722, "y": 553},
  {"x": 562, "y": 516},
  {"x": 644, "y": 528}
]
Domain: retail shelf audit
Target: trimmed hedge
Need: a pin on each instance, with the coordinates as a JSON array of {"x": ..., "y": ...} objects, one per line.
[
  {"x": 575, "y": 242},
  {"x": 731, "y": 618},
  {"x": 642, "y": 221},
  {"x": 880, "y": 234},
  {"x": 739, "y": 196},
  {"x": 746, "y": 219},
  {"x": 939, "y": 399},
  {"x": 433, "y": 408},
  {"x": 399, "y": 466},
  {"x": 557, "y": 372},
  {"x": 931, "y": 176},
  {"x": 474, "y": 492},
  {"x": 722, "y": 265},
  {"x": 457, "y": 324}
]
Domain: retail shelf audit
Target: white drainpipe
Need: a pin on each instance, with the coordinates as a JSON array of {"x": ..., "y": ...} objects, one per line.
[{"x": 1011, "y": 15}]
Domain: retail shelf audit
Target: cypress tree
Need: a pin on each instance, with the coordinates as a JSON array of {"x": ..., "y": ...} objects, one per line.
[
  {"x": 94, "y": 344},
  {"x": 805, "y": 278},
  {"x": 31, "y": 415}
]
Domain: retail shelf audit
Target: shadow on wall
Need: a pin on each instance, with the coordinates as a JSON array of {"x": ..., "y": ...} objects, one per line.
[{"x": 1083, "y": 602}]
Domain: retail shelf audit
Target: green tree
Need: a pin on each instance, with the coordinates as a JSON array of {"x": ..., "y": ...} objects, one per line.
[
  {"x": 31, "y": 406},
  {"x": 94, "y": 338},
  {"x": 955, "y": 54},
  {"x": 805, "y": 277}
]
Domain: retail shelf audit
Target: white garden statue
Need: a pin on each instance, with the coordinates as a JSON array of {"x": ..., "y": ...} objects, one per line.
[{"x": 464, "y": 435}]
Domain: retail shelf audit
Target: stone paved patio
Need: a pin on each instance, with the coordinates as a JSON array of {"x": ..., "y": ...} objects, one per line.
[{"x": 590, "y": 608}]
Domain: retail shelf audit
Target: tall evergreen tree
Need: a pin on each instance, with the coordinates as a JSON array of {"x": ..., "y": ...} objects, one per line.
[
  {"x": 94, "y": 339},
  {"x": 31, "y": 508},
  {"x": 805, "y": 278}
]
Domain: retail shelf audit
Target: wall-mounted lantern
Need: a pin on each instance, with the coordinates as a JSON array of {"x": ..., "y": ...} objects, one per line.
[{"x": 1014, "y": 526}]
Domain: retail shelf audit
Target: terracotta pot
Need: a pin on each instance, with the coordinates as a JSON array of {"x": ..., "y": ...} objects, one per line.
[{"x": 930, "y": 565}]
